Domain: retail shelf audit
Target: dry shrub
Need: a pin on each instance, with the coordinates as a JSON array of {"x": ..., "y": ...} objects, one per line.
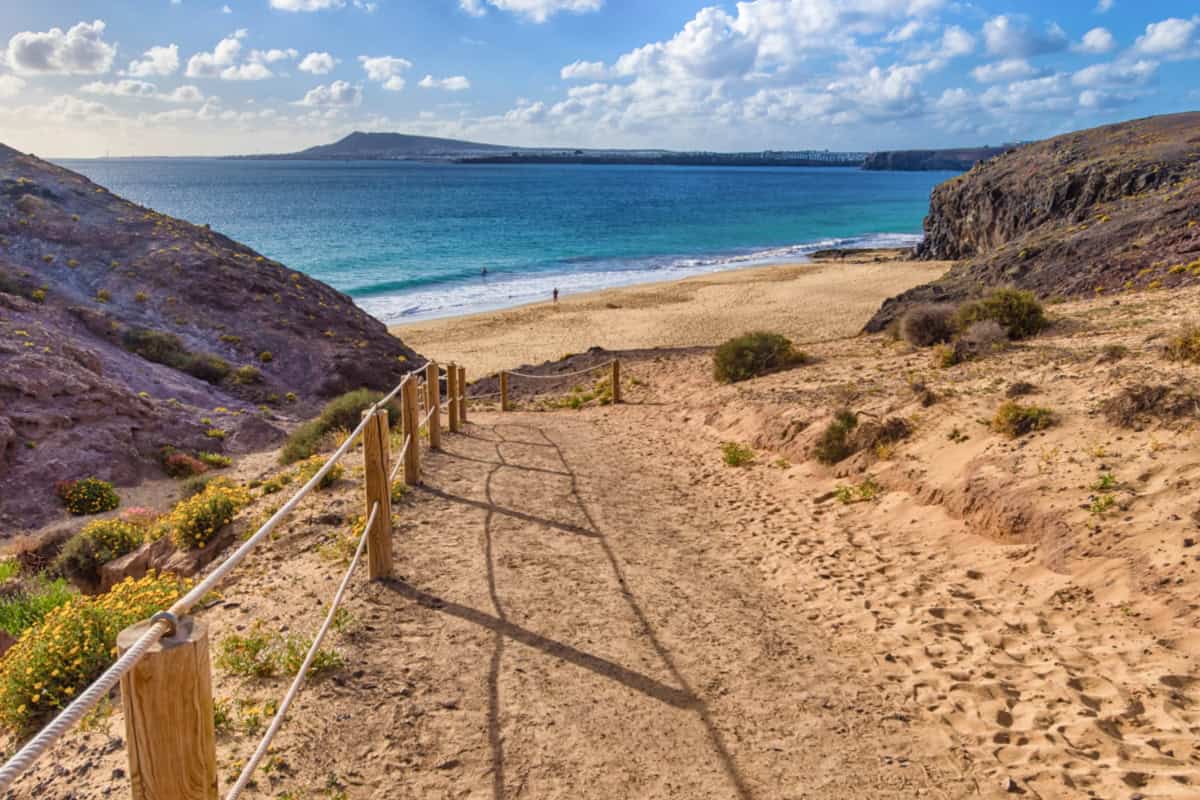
[
  {"x": 1020, "y": 389},
  {"x": 871, "y": 435},
  {"x": 753, "y": 354},
  {"x": 927, "y": 325},
  {"x": 1134, "y": 404},
  {"x": 833, "y": 446},
  {"x": 1185, "y": 345}
]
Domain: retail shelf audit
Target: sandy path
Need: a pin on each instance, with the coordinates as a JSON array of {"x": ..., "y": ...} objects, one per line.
[
  {"x": 807, "y": 302},
  {"x": 590, "y": 631}
]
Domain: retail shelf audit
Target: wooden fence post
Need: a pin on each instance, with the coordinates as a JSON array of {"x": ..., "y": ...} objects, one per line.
[
  {"x": 168, "y": 704},
  {"x": 412, "y": 432},
  {"x": 452, "y": 395},
  {"x": 433, "y": 404},
  {"x": 377, "y": 468},
  {"x": 616, "y": 381},
  {"x": 462, "y": 400},
  {"x": 503, "y": 391}
]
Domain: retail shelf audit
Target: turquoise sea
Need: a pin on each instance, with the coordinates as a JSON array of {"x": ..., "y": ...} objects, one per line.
[{"x": 410, "y": 240}]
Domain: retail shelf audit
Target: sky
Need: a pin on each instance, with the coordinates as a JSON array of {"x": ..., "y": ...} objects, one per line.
[{"x": 88, "y": 78}]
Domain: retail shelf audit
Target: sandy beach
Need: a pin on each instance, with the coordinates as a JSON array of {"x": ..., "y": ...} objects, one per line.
[{"x": 806, "y": 302}]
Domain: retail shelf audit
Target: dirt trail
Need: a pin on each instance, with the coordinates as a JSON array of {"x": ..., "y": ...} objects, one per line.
[{"x": 593, "y": 632}]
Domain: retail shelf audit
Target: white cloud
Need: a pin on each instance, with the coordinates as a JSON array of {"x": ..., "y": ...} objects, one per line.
[
  {"x": 1171, "y": 38},
  {"x": 1036, "y": 96},
  {"x": 249, "y": 71},
  {"x": 318, "y": 63},
  {"x": 905, "y": 32},
  {"x": 306, "y": 5},
  {"x": 535, "y": 10},
  {"x": 1008, "y": 70},
  {"x": 1116, "y": 75},
  {"x": 10, "y": 85},
  {"x": 226, "y": 10},
  {"x": 454, "y": 83},
  {"x": 1104, "y": 6},
  {"x": 1010, "y": 36},
  {"x": 957, "y": 42},
  {"x": 584, "y": 71},
  {"x": 143, "y": 90},
  {"x": 157, "y": 61},
  {"x": 1097, "y": 40},
  {"x": 81, "y": 50},
  {"x": 385, "y": 70},
  {"x": 273, "y": 56},
  {"x": 210, "y": 64},
  {"x": 125, "y": 88},
  {"x": 338, "y": 94}
]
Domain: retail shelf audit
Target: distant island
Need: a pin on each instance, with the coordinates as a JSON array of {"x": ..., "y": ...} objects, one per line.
[{"x": 405, "y": 147}]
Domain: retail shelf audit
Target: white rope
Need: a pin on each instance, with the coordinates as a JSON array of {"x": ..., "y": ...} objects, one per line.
[
  {"x": 425, "y": 421},
  {"x": 298, "y": 682},
  {"x": 564, "y": 374},
  {"x": 400, "y": 459},
  {"x": 483, "y": 396},
  {"x": 36, "y": 747}
]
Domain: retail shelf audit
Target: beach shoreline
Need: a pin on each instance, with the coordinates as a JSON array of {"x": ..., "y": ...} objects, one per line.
[{"x": 810, "y": 301}]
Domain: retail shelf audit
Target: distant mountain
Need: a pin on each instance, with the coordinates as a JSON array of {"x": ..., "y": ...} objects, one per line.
[
  {"x": 360, "y": 145},
  {"x": 956, "y": 160}
]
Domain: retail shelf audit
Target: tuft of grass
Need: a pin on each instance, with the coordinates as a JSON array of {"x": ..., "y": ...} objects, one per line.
[
  {"x": 753, "y": 354},
  {"x": 736, "y": 455},
  {"x": 31, "y": 602},
  {"x": 1102, "y": 504},
  {"x": 258, "y": 654},
  {"x": 1106, "y": 482},
  {"x": 864, "y": 492},
  {"x": 834, "y": 445},
  {"x": 1018, "y": 312},
  {"x": 247, "y": 375},
  {"x": 214, "y": 460},
  {"x": 1015, "y": 420}
]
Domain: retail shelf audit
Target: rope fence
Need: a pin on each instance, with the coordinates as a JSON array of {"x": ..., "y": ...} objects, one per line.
[
  {"x": 165, "y": 738},
  {"x": 614, "y": 366}
]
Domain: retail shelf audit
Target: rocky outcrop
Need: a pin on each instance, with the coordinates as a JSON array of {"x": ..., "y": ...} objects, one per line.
[
  {"x": 1098, "y": 211},
  {"x": 232, "y": 344},
  {"x": 957, "y": 160}
]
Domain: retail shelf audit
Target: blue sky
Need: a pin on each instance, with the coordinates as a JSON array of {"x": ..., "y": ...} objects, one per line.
[{"x": 205, "y": 77}]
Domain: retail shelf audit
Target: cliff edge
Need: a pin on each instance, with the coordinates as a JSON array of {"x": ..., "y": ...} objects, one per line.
[{"x": 1092, "y": 212}]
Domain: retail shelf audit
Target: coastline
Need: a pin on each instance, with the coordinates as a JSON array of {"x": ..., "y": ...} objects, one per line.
[{"x": 806, "y": 302}]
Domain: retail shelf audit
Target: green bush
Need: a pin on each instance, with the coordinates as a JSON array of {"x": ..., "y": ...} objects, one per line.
[
  {"x": 344, "y": 413},
  {"x": 209, "y": 368},
  {"x": 75, "y": 642},
  {"x": 834, "y": 444},
  {"x": 97, "y": 544},
  {"x": 88, "y": 496},
  {"x": 753, "y": 354},
  {"x": 736, "y": 455},
  {"x": 214, "y": 460},
  {"x": 167, "y": 349},
  {"x": 247, "y": 375},
  {"x": 30, "y": 602},
  {"x": 1015, "y": 420},
  {"x": 1019, "y": 312}
]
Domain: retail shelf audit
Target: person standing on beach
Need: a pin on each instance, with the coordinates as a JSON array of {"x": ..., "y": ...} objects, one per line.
[{"x": 556, "y": 294}]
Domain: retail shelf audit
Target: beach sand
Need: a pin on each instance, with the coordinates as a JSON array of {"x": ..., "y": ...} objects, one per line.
[{"x": 806, "y": 302}]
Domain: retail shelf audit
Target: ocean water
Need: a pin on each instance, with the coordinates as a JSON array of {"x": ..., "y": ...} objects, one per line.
[{"x": 409, "y": 240}]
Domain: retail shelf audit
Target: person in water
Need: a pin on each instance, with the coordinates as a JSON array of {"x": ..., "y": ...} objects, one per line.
[
  {"x": 556, "y": 294},
  {"x": 483, "y": 272}
]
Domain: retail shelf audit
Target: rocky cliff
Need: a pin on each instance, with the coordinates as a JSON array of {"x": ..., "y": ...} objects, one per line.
[
  {"x": 123, "y": 330},
  {"x": 1105, "y": 210},
  {"x": 957, "y": 160}
]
